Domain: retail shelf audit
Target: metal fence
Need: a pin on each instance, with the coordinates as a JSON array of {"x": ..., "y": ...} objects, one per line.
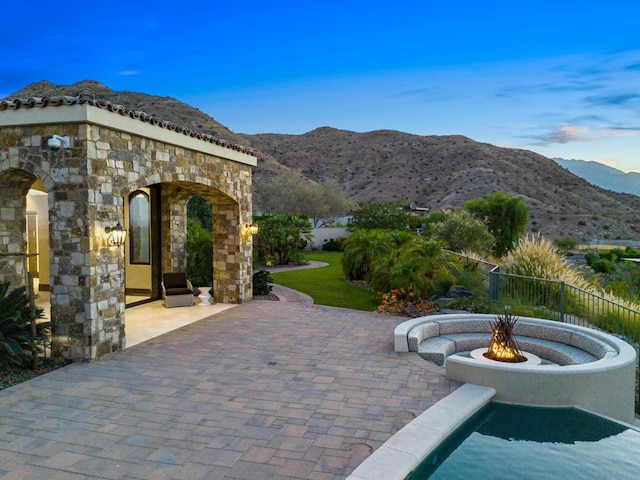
[{"x": 556, "y": 300}]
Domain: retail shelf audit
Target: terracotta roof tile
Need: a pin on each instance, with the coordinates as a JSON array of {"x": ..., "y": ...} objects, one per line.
[{"x": 86, "y": 97}]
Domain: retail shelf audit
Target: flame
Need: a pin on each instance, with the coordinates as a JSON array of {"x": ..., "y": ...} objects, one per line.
[
  {"x": 501, "y": 351},
  {"x": 503, "y": 346}
]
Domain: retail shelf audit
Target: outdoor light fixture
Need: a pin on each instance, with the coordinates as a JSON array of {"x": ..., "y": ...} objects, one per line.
[
  {"x": 249, "y": 229},
  {"x": 116, "y": 235},
  {"x": 57, "y": 141}
]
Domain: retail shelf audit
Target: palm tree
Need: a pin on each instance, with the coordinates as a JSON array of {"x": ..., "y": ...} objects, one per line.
[
  {"x": 417, "y": 264},
  {"x": 361, "y": 249}
]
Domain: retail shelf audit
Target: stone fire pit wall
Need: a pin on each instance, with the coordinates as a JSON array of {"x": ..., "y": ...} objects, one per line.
[{"x": 582, "y": 367}]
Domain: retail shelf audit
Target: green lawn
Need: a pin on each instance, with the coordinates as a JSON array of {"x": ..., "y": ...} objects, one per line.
[{"x": 326, "y": 285}]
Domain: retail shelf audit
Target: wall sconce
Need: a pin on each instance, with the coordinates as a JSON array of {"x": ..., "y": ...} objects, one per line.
[
  {"x": 249, "y": 230},
  {"x": 116, "y": 235}
]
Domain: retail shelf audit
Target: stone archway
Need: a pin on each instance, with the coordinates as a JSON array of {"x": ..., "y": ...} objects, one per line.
[
  {"x": 232, "y": 256},
  {"x": 108, "y": 152},
  {"x": 13, "y": 208}
]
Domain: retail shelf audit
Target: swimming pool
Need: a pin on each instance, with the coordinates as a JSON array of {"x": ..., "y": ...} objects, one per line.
[{"x": 519, "y": 442}]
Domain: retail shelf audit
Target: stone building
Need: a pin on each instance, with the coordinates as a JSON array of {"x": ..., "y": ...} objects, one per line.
[{"x": 71, "y": 168}]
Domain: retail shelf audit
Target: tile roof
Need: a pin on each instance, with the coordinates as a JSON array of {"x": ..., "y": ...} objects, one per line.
[{"x": 87, "y": 97}]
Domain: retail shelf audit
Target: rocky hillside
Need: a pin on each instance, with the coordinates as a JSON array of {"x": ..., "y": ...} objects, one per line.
[
  {"x": 442, "y": 172},
  {"x": 438, "y": 172}
]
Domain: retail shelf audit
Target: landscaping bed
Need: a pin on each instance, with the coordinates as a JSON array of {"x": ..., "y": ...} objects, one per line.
[{"x": 13, "y": 376}]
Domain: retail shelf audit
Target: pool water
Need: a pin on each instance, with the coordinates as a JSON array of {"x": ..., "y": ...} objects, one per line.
[{"x": 517, "y": 442}]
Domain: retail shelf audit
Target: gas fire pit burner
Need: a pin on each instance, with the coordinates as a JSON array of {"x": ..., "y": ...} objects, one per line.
[{"x": 503, "y": 346}]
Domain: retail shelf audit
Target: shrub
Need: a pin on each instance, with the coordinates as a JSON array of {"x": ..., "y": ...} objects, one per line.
[
  {"x": 333, "y": 245},
  {"x": 567, "y": 243},
  {"x": 281, "y": 238},
  {"x": 261, "y": 282},
  {"x": 467, "y": 273},
  {"x": 460, "y": 231},
  {"x": 419, "y": 263},
  {"x": 18, "y": 345},
  {"x": 478, "y": 303},
  {"x": 535, "y": 256},
  {"x": 371, "y": 216},
  {"x": 405, "y": 303}
]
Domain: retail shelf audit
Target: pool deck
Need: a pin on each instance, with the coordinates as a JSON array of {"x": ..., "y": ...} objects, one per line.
[{"x": 263, "y": 390}]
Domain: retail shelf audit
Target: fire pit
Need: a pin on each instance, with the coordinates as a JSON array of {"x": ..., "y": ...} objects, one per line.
[
  {"x": 503, "y": 346},
  {"x": 579, "y": 366}
]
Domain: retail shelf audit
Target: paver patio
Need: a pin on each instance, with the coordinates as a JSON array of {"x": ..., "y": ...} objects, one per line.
[{"x": 264, "y": 390}]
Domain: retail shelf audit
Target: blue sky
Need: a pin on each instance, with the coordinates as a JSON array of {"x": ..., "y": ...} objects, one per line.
[{"x": 561, "y": 78}]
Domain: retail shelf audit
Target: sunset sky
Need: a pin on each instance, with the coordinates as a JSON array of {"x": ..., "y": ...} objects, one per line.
[{"x": 561, "y": 78}]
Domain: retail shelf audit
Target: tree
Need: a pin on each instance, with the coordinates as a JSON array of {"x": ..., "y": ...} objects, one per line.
[
  {"x": 200, "y": 241},
  {"x": 286, "y": 194},
  {"x": 361, "y": 249},
  {"x": 199, "y": 253},
  {"x": 389, "y": 216},
  {"x": 505, "y": 216},
  {"x": 329, "y": 203},
  {"x": 198, "y": 207},
  {"x": 281, "y": 238},
  {"x": 461, "y": 232}
]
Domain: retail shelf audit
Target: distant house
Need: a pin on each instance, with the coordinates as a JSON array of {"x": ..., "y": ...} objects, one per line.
[{"x": 72, "y": 168}]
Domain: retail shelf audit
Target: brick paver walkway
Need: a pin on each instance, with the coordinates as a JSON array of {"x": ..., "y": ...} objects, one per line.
[{"x": 265, "y": 390}]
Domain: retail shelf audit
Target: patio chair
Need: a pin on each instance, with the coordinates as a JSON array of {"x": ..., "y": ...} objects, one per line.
[{"x": 177, "y": 291}]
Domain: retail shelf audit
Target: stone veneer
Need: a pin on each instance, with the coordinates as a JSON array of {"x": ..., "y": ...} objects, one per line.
[{"x": 111, "y": 156}]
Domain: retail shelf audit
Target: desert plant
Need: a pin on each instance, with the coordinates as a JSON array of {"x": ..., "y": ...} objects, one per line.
[
  {"x": 537, "y": 257},
  {"x": 18, "y": 344},
  {"x": 406, "y": 303}
]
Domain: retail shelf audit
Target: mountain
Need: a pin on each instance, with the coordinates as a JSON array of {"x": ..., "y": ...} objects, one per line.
[
  {"x": 603, "y": 175},
  {"x": 436, "y": 172},
  {"x": 442, "y": 172}
]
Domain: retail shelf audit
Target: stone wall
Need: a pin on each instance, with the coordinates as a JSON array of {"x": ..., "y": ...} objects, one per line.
[{"x": 86, "y": 185}]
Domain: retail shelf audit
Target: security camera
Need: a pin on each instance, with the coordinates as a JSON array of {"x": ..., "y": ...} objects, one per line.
[
  {"x": 54, "y": 143},
  {"x": 57, "y": 142}
]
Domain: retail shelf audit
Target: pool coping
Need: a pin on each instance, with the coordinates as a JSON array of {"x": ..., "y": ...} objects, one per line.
[{"x": 403, "y": 452}]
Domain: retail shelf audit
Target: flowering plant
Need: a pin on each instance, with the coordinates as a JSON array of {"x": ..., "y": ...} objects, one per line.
[{"x": 405, "y": 303}]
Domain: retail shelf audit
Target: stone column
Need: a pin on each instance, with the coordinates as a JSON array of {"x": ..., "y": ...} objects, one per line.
[
  {"x": 87, "y": 275},
  {"x": 174, "y": 229},
  {"x": 231, "y": 256},
  {"x": 13, "y": 239}
]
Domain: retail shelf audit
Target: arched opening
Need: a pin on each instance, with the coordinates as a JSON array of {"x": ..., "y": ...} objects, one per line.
[
  {"x": 200, "y": 241},
  {"x": 142, "y": 245}
]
